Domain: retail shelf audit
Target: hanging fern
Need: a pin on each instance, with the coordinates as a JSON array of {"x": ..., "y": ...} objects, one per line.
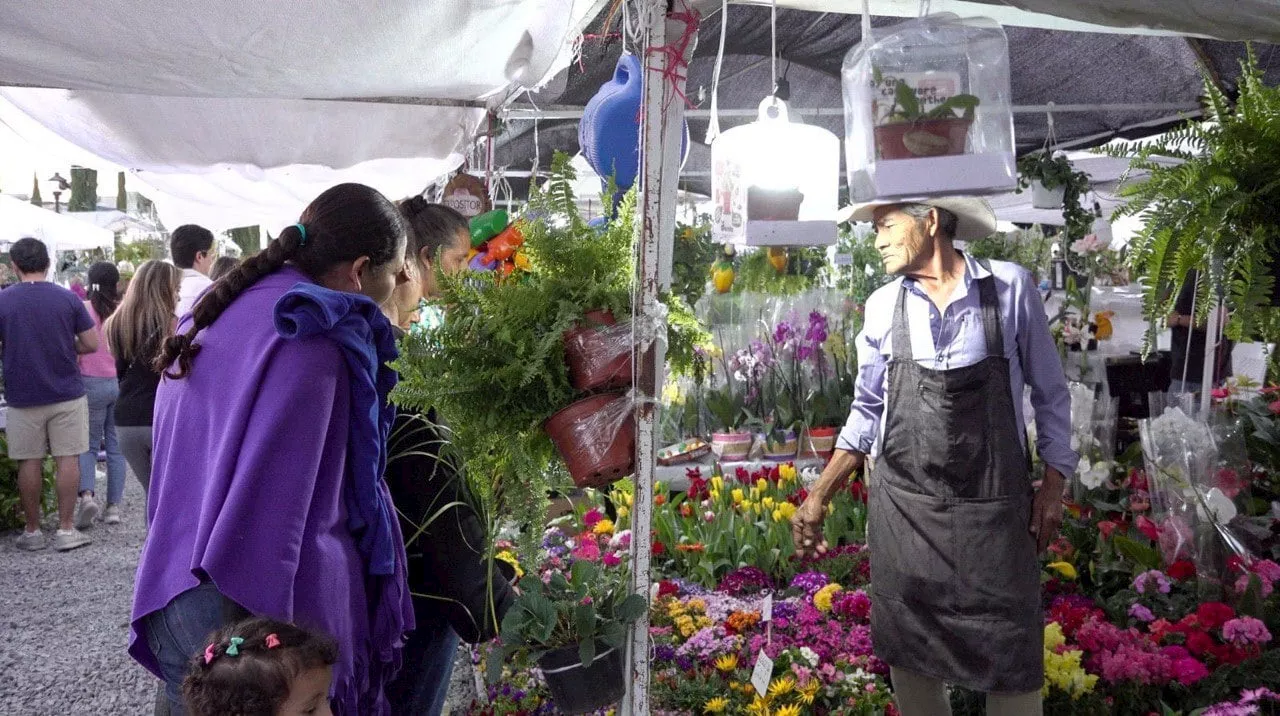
[{"x": 1209, "y": 202}]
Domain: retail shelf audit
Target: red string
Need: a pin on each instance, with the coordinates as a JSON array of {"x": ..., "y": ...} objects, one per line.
[{"x": 677, "y": 65}]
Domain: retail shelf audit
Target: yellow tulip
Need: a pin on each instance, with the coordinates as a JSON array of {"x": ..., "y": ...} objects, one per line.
[
  {"x": 737, "y": 496},
  {"x": 787, "y": 509},
  {"x": 777, "y": 516},
  {"x": 787, "y": 472},
  {"x": 762, "y": 484},
  {"x": 717, "y": 483},
  {"x": 767, "y": 502},
  {"x": 1066, "y": 569},
  {"x": 623, "y": 512}
]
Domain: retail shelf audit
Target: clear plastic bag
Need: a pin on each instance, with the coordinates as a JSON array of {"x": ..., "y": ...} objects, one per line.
[
  {"x": 596, "y": 437},
  {"x": 928, "y": 110}
]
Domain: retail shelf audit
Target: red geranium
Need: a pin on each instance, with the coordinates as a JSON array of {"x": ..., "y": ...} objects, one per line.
[
  {"x": 665, "y": 587},
  {"x": 1182, "y": 570},
  {"x": 1148, "y": 528},
  {"x": 659, "y": 548},
  {"x": 1212, "y": 615},
  {"x": 1199, "y": 642}
]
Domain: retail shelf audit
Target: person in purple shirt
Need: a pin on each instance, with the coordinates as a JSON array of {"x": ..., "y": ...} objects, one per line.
[
  {"x": 266, "y": 494},
  {"x": 954, "y": 523},
  {"x": 43, "y": 328}
]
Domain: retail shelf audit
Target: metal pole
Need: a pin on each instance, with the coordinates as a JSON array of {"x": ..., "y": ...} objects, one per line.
[{"x": 662, "y": 128}]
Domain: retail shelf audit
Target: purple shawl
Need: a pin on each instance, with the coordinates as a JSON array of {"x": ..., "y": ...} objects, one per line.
[{"x": 247, "y": 489}]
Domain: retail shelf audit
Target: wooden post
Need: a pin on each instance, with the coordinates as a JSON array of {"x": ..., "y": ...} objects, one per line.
[{"x": 662, "y": 129}]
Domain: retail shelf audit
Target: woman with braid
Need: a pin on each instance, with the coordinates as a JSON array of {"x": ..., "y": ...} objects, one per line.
[{"x": 270, "y": 429}]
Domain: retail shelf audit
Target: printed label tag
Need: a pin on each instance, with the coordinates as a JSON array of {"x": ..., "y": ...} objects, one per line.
[
  {"x": 763, "y": 672},
  {"x": 766, "y": 611}
]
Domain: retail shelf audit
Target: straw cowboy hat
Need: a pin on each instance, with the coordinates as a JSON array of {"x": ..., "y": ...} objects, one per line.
[{"x": 976, "y": 219}]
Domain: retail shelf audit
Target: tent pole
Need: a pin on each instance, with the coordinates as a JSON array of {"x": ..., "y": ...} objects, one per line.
[{"x": 662, "y": 128}]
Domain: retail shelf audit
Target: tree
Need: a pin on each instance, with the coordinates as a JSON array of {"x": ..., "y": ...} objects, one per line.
[{"x": 35, "y": 191}]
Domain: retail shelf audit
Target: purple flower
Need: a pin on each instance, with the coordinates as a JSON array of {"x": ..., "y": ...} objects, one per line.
[
  {"x": 1244, "y": 631},
  {"x": 746, "y": 580},
  {"x": 803, "y": 353},
  {"x": 1141, "y": 613},
  {"x": 664, "y": 652},
  {"x": 783, "y": 333},
  {"x": 810, "y": 582},
  {"x": 1152, "y": 578}
]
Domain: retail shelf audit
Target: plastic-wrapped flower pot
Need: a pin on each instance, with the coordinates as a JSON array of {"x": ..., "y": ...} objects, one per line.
[
  {"x": 596, "y": 436},
  {"x": 598, "y": 352},
  {"x": 927, "y": 110}
]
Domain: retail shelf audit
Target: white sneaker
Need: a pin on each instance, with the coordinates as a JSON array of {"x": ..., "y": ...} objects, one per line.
[
  {"x": 31, "y": 541},
  {"x": 86, "y": 510},
  {"x": 111, "y": 515},
  {"x": 66, "y": 540}
]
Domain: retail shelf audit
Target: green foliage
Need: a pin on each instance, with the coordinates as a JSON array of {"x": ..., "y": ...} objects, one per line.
[
  {"x": 804, "y": 270},
  {"x": 860, "y": 277},
  {"x": 84, "y": 190},
  {"x": 1208, "y": 202},
  {"x": 692, "y": 254},
  {"x": 1057, "y": 171},
  {"x": 906, "y": 106},
  {"x": 10, "y": 500},
  {"x": 590, "y": 607},
  {"x": 1030, "y": 249}
]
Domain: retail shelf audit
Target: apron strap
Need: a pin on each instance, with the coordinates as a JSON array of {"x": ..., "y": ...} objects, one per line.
[
  {"x": 901, "y": 332},
  {"x": 990, "y": 303}
]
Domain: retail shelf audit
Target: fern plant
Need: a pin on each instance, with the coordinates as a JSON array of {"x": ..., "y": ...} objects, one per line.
[{"x": 1209, "y": 202}]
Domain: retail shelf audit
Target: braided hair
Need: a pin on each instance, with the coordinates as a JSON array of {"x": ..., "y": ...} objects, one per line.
[
  {"x": 342, "y": 224},
  {"x": 249, "y": 667}
]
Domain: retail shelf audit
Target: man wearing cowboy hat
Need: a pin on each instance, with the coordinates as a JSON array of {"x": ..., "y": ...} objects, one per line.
[{"x": 954, "y": 527}]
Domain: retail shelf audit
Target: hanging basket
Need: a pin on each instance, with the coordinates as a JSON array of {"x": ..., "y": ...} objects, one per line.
[
  {"x": 596, "y": 436},
  {"x": 578, "y": 689},
  {"x": 598, "y": 354},
  {"x": 1044, "y": 198}
]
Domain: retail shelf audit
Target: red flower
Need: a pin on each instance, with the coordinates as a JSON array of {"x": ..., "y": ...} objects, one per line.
[
  {"x": 1107, "y": 528},
  {"x": 1274, "y": 407},
  {"x": 665, "y": 587},
  {"x": 659, "y": 500},
  {"x": 1213, "y": 615},
  {"x": 1137, "y": 479},
  {"x": 697, "y": 487},
  {"x": 798, "y": 497},
  {"x": 659, "y": 548},
  {"x": 1235, "y": 563},
  {"x": 686, "y": 510},
  {"x": 741, "y": 474},
  {"x": 772, "y": 474},
  {"x": 858, "y": 489},
  {"x": 1149, "y": 528},
  {"x": 1199, "y": 642},
  {"x": 1159, "y": 629},
  {"x": 1182, "y": 570},
  {"x": 693, "y": 473}
]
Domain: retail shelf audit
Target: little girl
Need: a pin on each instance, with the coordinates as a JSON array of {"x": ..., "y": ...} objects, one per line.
[{"x": 262, "y": 667}]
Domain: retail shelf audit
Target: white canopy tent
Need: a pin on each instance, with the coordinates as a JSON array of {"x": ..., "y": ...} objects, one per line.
[{"x": 60, "y": 232}]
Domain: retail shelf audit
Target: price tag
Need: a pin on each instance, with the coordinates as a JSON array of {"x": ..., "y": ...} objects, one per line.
[
  {"x": 766, "y": 611},
  {"x": 762, "y": 674}
]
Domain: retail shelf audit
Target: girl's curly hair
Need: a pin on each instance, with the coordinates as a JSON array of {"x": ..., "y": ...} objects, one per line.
[{"x": 254, "y": 679}]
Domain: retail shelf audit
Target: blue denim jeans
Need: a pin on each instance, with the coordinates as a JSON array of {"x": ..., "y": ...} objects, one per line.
[
  {"x": 103, "y": 393},
  {"x": 181, "y": 631},
  {"x": 422, "y": 685}
]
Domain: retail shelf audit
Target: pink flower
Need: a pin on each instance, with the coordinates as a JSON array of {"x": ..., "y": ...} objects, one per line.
[
  {"x": 592, "y": 517},
  {"x": 1141, "y": 613},
  {"x": 588, "y": 551},
  {"x": 1245, "y": 631},
  {"x": 1274, "y": 407},
  {"x": 1220, "y": 393},
  {"x": 709, "y": 516},
  {"x": 587, "y": 600},
  {"x": 1153, "y": 579},
  {"x": 1229, "y": 481},
  {"x": 1189, "y": 670},
  {"x": 612, "y": 560}
]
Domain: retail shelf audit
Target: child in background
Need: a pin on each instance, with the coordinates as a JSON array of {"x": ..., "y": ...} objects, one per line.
[{"x": 262, "y": 667}]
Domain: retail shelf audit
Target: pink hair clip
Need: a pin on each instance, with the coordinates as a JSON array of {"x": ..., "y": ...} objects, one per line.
[
  {"x": 273, "y": 641},
  {"x": 208, "y": 654}
]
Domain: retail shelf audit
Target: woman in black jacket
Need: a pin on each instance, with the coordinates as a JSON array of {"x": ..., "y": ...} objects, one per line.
[{"x": 449, "y": 575}]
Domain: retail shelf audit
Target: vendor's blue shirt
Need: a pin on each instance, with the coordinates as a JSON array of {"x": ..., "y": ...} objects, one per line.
[{"x": 38, "y": 326}]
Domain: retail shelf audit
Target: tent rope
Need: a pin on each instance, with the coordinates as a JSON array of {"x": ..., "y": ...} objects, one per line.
[{"x": 713, "y": 126}]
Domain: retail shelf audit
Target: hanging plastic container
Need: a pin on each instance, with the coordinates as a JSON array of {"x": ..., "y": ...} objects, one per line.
[
  {"x": 928, "y": 112},
  {"x": 775, "y": 182}
]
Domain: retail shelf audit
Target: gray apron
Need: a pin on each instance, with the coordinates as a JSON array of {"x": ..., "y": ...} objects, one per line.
[{"x": 954, "y": 570}]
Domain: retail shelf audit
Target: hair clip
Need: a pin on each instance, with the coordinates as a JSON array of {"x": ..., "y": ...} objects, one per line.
[
  {"x": 302, "y": 230},
  {"x": 233, "y": 649},
  {"x": 208, "y": 654},
  {"x": 273, "y": 641}
]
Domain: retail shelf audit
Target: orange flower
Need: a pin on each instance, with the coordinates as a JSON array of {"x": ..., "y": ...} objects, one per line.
[
  {"x": 659, "y": 500},
  {"x": 685, "y": 510},
  {"x": 694, "y": 547},
  {"x": 739, "y": 622}
]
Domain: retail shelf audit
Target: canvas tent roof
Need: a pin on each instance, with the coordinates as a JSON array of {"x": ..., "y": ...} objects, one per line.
[
  {"x": 59, "y": 232},
  {"x": 1133, "y": 85}
]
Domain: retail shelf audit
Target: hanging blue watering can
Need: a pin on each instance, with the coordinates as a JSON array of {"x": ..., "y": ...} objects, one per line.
[{"x": 609, "y": 133}]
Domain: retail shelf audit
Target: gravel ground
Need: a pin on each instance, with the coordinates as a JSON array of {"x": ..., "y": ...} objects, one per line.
[{"x": 64, "y": 623}]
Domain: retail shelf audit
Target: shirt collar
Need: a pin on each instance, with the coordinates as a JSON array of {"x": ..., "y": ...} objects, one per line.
[
  {"x": 972, "y": 270},
  {"x": 192, "y": 273}
]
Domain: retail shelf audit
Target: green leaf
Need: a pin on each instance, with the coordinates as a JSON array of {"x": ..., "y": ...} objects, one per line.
[
  {"x": 906, "y": 99},
  {"x": 631, "y": 608},
  {"x": 584, "y": 620},
  {"x": 587, "y": 652},
  {"x": 1142, "y": 555},
  {"x": 613, "y": 634}
]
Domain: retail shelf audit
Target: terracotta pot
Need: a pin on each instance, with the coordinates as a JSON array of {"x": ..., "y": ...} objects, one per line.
[
  {"x": 925, "y": 138},
  {"x": 731, "y": 447},
  {"x": 597, "y": 449},
  {"x": 781, "y": 448},
  {"x": 577, "y": 689},
  {"x": 593, "y": 357},
  {"x": 818, "y": 442}
]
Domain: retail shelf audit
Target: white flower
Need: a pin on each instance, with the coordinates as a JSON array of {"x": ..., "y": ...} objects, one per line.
[
  {"x": 809, "y": 655},
  {"x": 1092, "y": 476},
  {"x": 1223, "y": 509}
]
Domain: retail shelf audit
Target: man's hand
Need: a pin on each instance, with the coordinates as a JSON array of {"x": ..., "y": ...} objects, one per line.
[
  {"x": 806, "y": 524},
  {"x": 1046, "y": 510},
  {"x": 806, "y": 527}
]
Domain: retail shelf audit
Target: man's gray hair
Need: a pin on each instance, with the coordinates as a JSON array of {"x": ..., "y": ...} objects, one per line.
[{"x": 947, "y": 221}]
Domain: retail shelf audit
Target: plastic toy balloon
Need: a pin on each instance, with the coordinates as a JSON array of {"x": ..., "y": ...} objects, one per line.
[{"x": 504, "y": 245}]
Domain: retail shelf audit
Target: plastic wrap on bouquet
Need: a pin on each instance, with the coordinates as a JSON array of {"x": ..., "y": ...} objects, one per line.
[
  {"x": 1093, "y": 437},
  {"x": 1192, "y": 512},
  {"x": 596, "y": 437},
  {"x": 928, "y": 111}
]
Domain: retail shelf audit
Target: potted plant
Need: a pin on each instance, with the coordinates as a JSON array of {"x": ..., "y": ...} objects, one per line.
[
  {"x": 574, "y": 626},
  {"x": 1050, "y": 177},
  {"x": 1209, "y": 201},
  {"x": 912, "y": 132}
]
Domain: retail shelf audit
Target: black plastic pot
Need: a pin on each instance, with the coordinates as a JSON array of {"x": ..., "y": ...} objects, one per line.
[{"x": 578, "y": 690}]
